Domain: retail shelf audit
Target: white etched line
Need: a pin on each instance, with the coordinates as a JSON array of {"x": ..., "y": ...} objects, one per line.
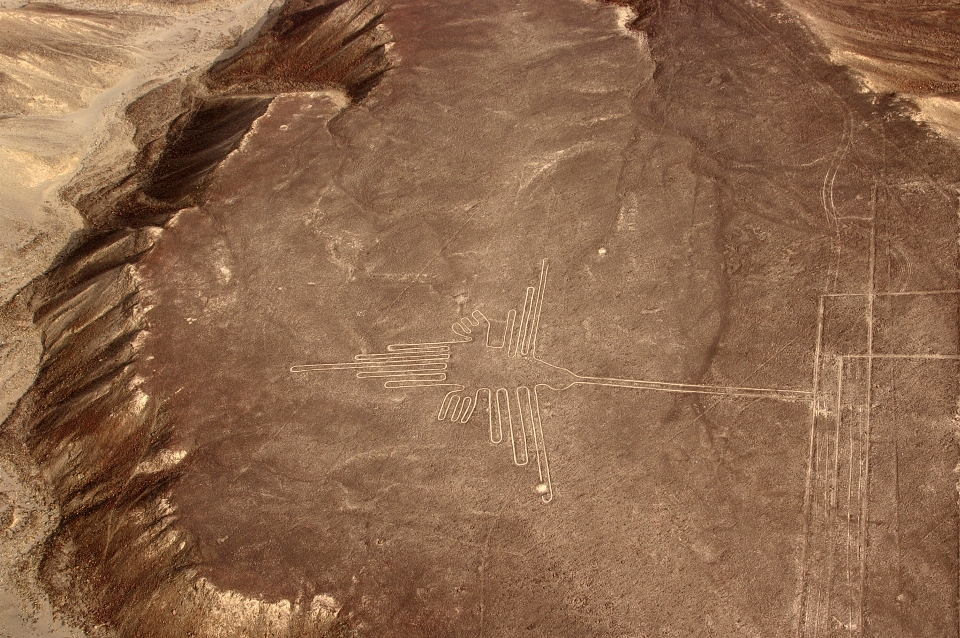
[
  {"x": 502, "y": 399},
  {"x": 824, "y": 472},
  {"x": 836, "y": 436},
  {"x": 688, "y": 388},
  {"x": 520, "y": 458},
  {"x": 526, "y": 416},
  {"x": 416, "y": 383},
  {"x": 432, "y": 376},
  {"x": 858, "y": 530},
  {"x": 896, "y": 510},
  {"x": 832, "y": 505},
  {"x": 420, "y": 347},
  {"x": 402, "y": 356},
  {"x": 541, "y": 291},
  {"x": 514, "y": 346},
  {"x": 458, "y": 329},
  {"x": 808, "y": 489},
  {"x": 498, "y": 438},
  {"x": 902, "y": 293},
  {"x": 454, "y": 408},
  {"x": 401, "y": 367},
  {"x": 508, "y": 330},
  {"x": 530, "y": 330},
  {"x": 515, "y": 337},
  {"x": 406, "y": 349},
  {"x": 390, "y": 371},
  {"x": 469, "y": 322},
  {"x": 811, "y": 613},
  {"x": 528, "y": 321},
  {"x": 825, "y": 465},
  {"x": 517, "y": 345},
  {"x": 543, "y": 467},
  {"x": 849, "y": 572},
  {"x": 527, "y": 423},
  {"x": 867, "y": 436},
  {"x": 827, "y": 196},
  {"x": 816, "y": 615},
  {"x": 399, "y": 363},
  {"x": 388, "y": 363},
  {"x": 437, "y": 346},
  {"x": 327, "y": 367},
  {"x": 832, "y": 514},
  {"x": 944, "y": 357},
  {"x": 445, "y": 406},
  {"x": 467, "y": 409}
]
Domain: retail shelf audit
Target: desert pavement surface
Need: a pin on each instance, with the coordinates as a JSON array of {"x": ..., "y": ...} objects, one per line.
[{"x": 483, "y": 318}]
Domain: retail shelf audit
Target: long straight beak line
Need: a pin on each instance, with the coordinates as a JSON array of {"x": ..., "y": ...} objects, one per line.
[{"x": 689, "y": 388}]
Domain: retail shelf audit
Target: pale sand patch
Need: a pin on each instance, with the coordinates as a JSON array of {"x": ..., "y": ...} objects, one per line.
[
  {"x": 229, "y": 613},
  {"x": 941, "y": 113},
  {"x": 27, "y": 517}
]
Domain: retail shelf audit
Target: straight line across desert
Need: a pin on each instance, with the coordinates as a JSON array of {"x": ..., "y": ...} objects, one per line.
[{"x": 428, "y": 318}]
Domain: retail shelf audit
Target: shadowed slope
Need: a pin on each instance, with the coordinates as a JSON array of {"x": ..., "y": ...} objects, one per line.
[
  {"x": 186, "y": 127},
  {"x": 907, "y": 46},
  {"x": 98, "y": 437},
  {"x": 311, "y": 44}
]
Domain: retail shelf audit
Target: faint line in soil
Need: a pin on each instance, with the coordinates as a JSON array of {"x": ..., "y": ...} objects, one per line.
[{"x": 431, "y": 260}]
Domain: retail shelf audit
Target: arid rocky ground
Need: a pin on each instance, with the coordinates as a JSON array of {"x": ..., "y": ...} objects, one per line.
[{"x": 702, "y": 260}]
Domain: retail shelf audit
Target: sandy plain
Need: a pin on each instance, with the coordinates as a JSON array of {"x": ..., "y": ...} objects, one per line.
[{"x": 750, "y": 272}]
